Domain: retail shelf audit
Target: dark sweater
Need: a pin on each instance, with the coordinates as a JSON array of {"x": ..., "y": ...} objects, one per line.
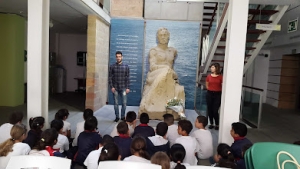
[
  {"x": 32, "y": 138},
  {"x": 124, "y": 146},
  {"x": 87, "y": 142},
  {"x": 152, "y": 149},
  {"x": 143, "y": 131},
  {"x": 237, "y": 145}
]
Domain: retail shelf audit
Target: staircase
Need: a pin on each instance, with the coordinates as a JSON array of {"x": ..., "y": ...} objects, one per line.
[{"x": 214, "y": 51}]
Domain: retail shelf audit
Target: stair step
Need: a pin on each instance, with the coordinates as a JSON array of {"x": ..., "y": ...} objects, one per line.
[
  {"x": 209, "y": 7},
  {"x": 205, "y": 25},
  {"x": 223, "y": 54},
  {"x": 250, "y": 48},
  {"x": 262, "y": 12},
  {"x": 247, "y": 55},
  {"x": 208, "y": 13},
  {"x": 221, "y": 47},
  {"x": 222, "y": 61},
  {"x": 259, "y": 21},
  {"x": 248, "y": 40},
  {"x": 207, "y": 19},
  {"x": 255, "y": 31}
]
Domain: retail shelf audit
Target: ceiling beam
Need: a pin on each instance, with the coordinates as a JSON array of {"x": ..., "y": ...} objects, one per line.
[{"x": 266, "y": 2}]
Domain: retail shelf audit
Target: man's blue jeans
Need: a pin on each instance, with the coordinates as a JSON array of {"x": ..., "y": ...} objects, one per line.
[{"x": 123, "y": 96}]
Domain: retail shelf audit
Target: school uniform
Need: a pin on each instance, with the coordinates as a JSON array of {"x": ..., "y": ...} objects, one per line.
[
  {"x": 79, "y": 129},
  {"x": 91, "y": 161},
  {"x": 172, "y": 134},
  {"x": 143, "y": 130},
  {"x": 134, "y": 158},
  {"x": 157, "y": 143},
  {"x": 18, "y": 149},
  {"x": 115, "y": 133},
  {"x": 205, "y": 143},
  {"x": 191, "y": 147},
  {"x": 62, "y": 143},
  {"x": 123, "y": 142}
]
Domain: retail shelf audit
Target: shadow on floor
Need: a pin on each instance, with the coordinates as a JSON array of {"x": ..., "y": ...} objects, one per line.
[{"x": 74, "y": 99}]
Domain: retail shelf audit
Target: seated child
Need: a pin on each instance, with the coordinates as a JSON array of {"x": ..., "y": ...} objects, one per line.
[
  {"x": 138, "y": 151},
  {"x": 109, "y": 152},
  {"x": 143, "y": 129},
  {"x": 91, "y": 161},
  {"x": 123, "y": 141},
  {"x": 158, "y": 142},
  {"x": 224, "y": 157},
  {"x": 14, "y": 118},
  {"x": 45, "y": 145},
  {"x": 88, "y": 140},
  {"x": 189, "y": 143},
  {"x": 238, "y": 132},
  {"x": 162, "y": 159},
  {"x": 241, "y": 163},
  {"x": 172, "y": 133},
  {"x": 177, "y": 154},
  {"x": 34, "y": 134},
  {"x": 131, "y": 122},
  {"x": 80, "y": 125},
  {"x": 62, "y": 143},
  {"x": 13, "y": 146},
  {"x": 203, "y": 137},
  {"x": 63, "y": 114}
]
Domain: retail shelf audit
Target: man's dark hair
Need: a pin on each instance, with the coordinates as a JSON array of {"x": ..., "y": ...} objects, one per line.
[
  {"x": 122, "y": 128},
  {"x": 169, "y": 119},
  {"x": 87, "y": 113},
  {"x": 106, "y": 139},
  {"x": 130, "y": 116},
  {"x": 239, "y": 128},
  {"x": 185, "y": 126},
  {"x": 203, "y": 120},
  {"x": 119, "y": 52},
  {"x": 144, "y": 118},
  {"x": 15, "y": 117},
  {"x": 161, "y": 129},
  {"x": 90, "y": 123},
  {"x": 57, "y": 124}
]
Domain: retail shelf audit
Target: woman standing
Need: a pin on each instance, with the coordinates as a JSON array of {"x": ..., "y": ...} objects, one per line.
[{"x": 213, "y": 97}]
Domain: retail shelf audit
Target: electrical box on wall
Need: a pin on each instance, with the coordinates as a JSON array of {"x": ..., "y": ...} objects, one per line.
[{"x": 81, "y": 58}]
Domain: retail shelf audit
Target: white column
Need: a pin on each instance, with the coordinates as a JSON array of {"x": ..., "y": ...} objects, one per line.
[
  {"x": 38, "y": 58},
  {"x": 233, "y": 67}
]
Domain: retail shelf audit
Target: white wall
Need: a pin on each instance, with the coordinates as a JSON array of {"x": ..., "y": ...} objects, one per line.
[
  {"x": 258, "y": 73},
  {"x": 66, "y": 47}
]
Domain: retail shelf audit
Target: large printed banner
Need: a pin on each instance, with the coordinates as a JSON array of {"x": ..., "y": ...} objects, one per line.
[
  {"x": 184, "y": 36},
  {"x": 127, "y": 36}
]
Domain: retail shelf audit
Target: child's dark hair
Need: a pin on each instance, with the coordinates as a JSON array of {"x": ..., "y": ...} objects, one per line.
[
  {"x": 15, "y": 117},
  {"x": 36, "y": 123},
  {"x": 227, "y": 159},
  {"x": 130, "y": 116},
  {"x": 169, "y": 119},
  {"x": 109, "y": 152},
  {"x": 144, "y": 118},
  {"x": 239, "y": 128},
  {"x": 122, "y": 128},
  {"x": 203, "y": 120},
  {"x": 48, "y": 138},
  {"x": 61, "y": 114},
  {"x": 106, "y": 139},
  {"x": 186, "y": 126},
  {"x": 161, "y": 129},
  {"x": 138, "y": 145},
  {"x": 57, "y": 124},
  {"x": 87, "y": 113},
  {"x": 177, "y": 154},
  {"x": 90, "y": 123},
  {"x": 162, "y": 159},
  {"x": 297, "y": 142}
]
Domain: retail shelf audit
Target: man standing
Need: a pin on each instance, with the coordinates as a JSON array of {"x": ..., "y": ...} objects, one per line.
[{"x": 119, "y": 84}]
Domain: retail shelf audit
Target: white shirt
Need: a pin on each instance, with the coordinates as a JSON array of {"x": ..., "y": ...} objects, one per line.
[
  {"x": 5, "y": 132},
  {"x": 173, "y": 164},
  {"x": 91, "y": 161},
  {"x": 158, "y": 140},
  {"x": 79, "y": 129},
  {"x": 62, "y": 143},
  {"x": 191, "y": 147},
  {"x": 35, "y": 152},
  {"x": 18, "y": 149},
  {"x": 66, "y": 127},
  {"x": 115, "y": 131},
  {"x": 136, "y": 159},
  {"x": 205, "y": 143},
  {"x": 172, "y": 134}
]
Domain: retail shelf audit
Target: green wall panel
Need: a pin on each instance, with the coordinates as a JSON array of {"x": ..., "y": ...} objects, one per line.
[{"x": 12, "y": 44}]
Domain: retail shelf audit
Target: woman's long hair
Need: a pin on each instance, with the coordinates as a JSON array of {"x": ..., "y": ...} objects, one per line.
[
  {"x": 109, "y": 152},
  {"x": 177, "y": 154},
  {"x": 227, "y": 159},
  {"x": 48, "y": 138},
  {"x": 218, "y": 68},
  {"x": 16, "y": 133},
  {"x": 138, "y": 145}
]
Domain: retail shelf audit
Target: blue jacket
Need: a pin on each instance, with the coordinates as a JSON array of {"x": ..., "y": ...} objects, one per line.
[
  {"x": 152, "y": 149},
  {"x": 237, "y": 145},
  {"x": 124, "y": 146},
  {"x": 143, "y": 131}
]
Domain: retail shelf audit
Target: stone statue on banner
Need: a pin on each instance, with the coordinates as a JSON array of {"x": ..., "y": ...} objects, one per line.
[{"x": 162, "y": 83}]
